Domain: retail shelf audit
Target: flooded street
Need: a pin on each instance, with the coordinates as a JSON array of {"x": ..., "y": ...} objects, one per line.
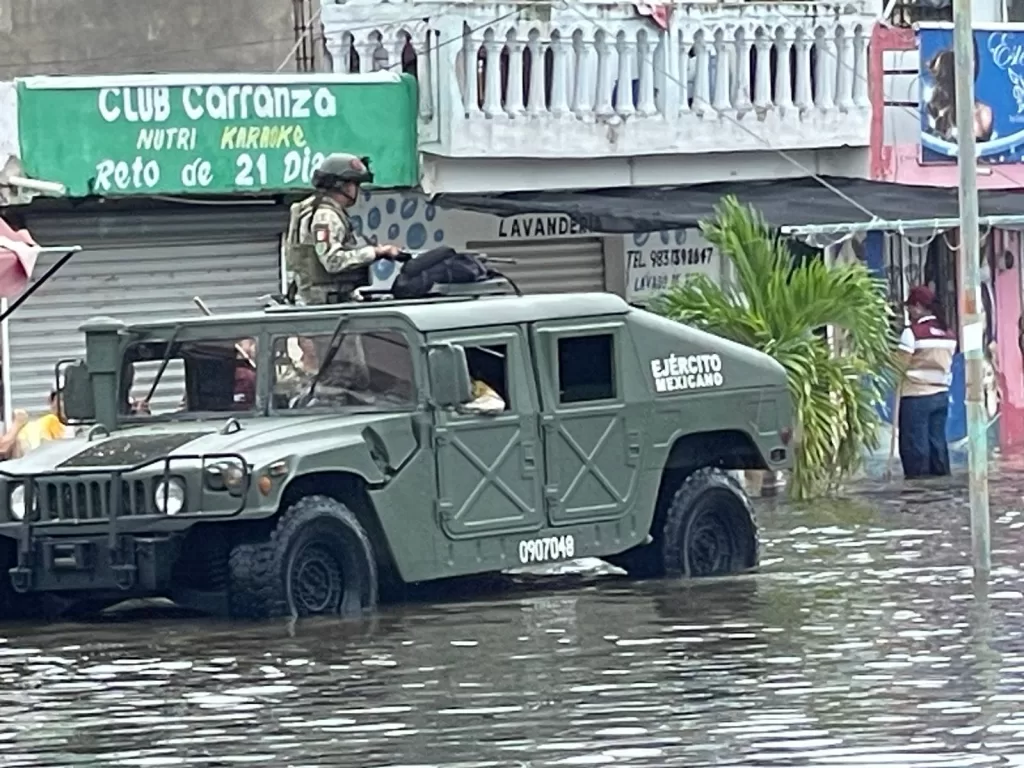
[{"x": 861, "y": 642}]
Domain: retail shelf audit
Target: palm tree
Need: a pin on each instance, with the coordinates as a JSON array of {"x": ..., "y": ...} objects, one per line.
[{"x": 783, "y": 309}]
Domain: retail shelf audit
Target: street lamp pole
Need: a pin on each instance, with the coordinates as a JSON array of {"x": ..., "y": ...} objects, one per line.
[{"x": 971, "y": 325}]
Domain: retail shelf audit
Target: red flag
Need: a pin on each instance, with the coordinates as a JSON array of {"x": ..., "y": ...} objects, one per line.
[
  {"x": 18, "y": 254},
  {"x": 658, "y": 12}
]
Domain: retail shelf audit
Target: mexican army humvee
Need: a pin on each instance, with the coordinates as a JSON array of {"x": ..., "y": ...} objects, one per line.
[{"x": 299, "y": 461}]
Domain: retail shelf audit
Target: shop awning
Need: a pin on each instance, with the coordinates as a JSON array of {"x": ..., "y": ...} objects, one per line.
[{"x": 786, "y": 202}]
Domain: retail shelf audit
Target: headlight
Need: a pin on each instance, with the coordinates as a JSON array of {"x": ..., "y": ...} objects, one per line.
[
  {"x": 16, "y": 502},
  {"x": 226, "y": 475},
  {"x": 170, "y": 496}
]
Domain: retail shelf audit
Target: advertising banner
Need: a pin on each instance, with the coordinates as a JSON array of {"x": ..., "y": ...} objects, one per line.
[
  {"x": 213, "y": 134},
  {"x": 998, "y": 94},
  {"x": 657, "y": 261}
]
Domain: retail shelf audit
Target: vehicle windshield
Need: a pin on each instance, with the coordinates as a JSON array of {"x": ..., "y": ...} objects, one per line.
[
  {"x": 179, "y": 378},
  {"x": 369, "y": 370}
]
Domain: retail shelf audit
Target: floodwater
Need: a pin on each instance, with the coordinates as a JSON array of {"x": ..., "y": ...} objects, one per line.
[{"x": 861, "y": 642}]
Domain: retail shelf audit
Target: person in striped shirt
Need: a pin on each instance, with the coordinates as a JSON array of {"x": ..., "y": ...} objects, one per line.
[{"x": 927, "y": 348}]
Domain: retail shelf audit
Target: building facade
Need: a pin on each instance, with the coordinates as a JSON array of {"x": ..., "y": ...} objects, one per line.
[
  {"x": 586, "y": 95},
  {"x": 913, "y": 147}
]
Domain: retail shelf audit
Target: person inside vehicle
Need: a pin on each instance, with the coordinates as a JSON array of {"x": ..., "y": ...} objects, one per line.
[
  {"x": 245, "y": 375},
  {"x": 485, "y": 365},
  {"x": 299, "y": 361},
  {"x": 485, "y": 399}
]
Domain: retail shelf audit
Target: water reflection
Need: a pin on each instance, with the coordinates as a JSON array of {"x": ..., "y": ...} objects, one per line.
[{"x": 862, "y": 642}]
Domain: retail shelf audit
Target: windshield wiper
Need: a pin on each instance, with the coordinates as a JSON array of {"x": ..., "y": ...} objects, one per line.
[
  {"x": 332, "y": 350},
  {"x": 163, "y": 363}
]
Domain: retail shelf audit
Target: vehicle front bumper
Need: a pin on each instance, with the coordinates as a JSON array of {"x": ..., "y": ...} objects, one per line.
[{"x": 136, "y": 565}]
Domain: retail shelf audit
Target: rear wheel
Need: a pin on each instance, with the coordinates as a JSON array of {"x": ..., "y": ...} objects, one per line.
[
  {"x": 318, "y": 561},
  {"x": 708, "y": 529}
]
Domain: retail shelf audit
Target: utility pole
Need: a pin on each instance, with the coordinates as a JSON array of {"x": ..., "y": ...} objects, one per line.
[{"x": 971, "y": 325}]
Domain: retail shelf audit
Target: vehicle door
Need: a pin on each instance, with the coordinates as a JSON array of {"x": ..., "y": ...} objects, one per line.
[
  {"x": 488, "y": 465},
  {"x": 591, "y": 432}
]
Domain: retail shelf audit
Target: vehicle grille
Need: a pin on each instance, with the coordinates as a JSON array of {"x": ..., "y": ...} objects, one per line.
[{"x": 89, "y": 499}]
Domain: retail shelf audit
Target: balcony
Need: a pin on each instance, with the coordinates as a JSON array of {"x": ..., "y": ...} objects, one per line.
[{"x": 588, "y": 80}]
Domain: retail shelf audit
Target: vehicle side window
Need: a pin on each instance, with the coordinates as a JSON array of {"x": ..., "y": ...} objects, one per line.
[
  {"x": 586, "y": 368},
  {"x": 489, "y": 364},
  {"x": 202, "y": 376}
]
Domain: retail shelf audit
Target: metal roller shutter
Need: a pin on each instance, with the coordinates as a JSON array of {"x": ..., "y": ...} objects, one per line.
[
  {"x": 137, "y": 267},
  {"x": 550, "y": 266}
]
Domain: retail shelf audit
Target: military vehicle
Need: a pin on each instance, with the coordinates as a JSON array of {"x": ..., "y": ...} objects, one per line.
[{"x": 305, "y": 460}]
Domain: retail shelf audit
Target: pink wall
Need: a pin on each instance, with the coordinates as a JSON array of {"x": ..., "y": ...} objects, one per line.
[
  {"x": 1009, "y": 361},
  {"x": 899, "y": 164}
]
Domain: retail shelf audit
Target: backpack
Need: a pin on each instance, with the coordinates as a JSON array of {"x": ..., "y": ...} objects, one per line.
[{"x": 442, "y": 265}]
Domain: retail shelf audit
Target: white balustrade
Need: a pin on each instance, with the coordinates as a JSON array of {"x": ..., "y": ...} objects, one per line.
[{"x": 587, "y": 79}]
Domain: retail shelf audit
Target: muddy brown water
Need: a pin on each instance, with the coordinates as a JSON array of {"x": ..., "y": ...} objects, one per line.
[{"x": 862, "y": 641}]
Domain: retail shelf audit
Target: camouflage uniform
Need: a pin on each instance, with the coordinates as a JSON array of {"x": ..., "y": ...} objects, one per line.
[
  {"x": 323, "y": 257},
  {"x": 326, "y": 263}
]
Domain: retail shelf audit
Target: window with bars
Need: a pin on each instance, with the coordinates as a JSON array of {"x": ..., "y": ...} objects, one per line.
[{"x": 309, "y": 36}]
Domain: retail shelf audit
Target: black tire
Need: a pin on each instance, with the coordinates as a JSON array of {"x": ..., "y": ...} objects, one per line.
[
  {"x": 707, "y": 501},
  {"x": 317, "y": 561},
  {"x": 710, "y": 529}
]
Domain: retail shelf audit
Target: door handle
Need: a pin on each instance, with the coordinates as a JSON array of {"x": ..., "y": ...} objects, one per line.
[
  {"x": 632, "y": 448},
  {"x": 529, "y": 459}
]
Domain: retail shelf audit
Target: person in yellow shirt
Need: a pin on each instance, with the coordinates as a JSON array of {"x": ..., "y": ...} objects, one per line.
[
  {"x": 48, "y": 427},
  {"x": 485, "y": 399}
]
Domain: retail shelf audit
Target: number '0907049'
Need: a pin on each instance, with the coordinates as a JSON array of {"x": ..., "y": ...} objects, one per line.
[{"x": 546, "y": 549}]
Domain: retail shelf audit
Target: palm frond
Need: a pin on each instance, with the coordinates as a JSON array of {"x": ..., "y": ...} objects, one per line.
[{"x": 783, "y": 310}]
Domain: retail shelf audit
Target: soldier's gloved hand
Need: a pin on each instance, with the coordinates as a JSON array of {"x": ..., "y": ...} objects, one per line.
[{"x": 386, "y": 251}]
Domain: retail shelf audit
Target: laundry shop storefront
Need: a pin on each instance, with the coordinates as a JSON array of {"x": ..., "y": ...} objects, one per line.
[
  {"x": 541, "y": 253},
  {"x": 178, "y": 186}
]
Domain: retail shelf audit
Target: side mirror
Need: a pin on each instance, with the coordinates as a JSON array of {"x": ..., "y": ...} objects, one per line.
[
  {"x": 450, "y": 384},
  {"x": 74, "y": 392}
]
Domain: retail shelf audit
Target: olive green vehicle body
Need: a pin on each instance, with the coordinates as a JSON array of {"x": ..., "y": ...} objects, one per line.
[{"x": 441, "y": 492}]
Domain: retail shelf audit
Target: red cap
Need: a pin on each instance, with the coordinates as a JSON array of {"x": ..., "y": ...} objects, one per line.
[{"x": 921, "y": 295}]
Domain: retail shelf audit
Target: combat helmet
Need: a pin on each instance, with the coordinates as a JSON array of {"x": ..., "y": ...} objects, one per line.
[{"x": 342, "y": 168}]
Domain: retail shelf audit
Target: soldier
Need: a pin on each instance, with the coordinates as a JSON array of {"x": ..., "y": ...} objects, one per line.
[{"x": 325, "y": 261}]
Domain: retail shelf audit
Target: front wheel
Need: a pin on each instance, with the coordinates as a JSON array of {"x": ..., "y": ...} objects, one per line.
[
  {"x": 709, "y": 527},
  {"x": 318, "y": 561}
]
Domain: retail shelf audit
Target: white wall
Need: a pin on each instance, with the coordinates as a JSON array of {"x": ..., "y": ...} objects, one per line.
[{"x": 456, "y": 175}]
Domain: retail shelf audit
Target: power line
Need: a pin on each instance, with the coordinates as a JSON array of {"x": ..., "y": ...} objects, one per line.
[
  {"x": 781, "y": 153},
  {"x": 306, "y": 33}
]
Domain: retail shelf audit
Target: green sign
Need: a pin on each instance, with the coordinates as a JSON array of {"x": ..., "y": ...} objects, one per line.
[{"x": 213, "y": 134}]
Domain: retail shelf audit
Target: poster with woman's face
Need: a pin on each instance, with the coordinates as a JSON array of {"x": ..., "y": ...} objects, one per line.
[{"x": 998, "y": 110}]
